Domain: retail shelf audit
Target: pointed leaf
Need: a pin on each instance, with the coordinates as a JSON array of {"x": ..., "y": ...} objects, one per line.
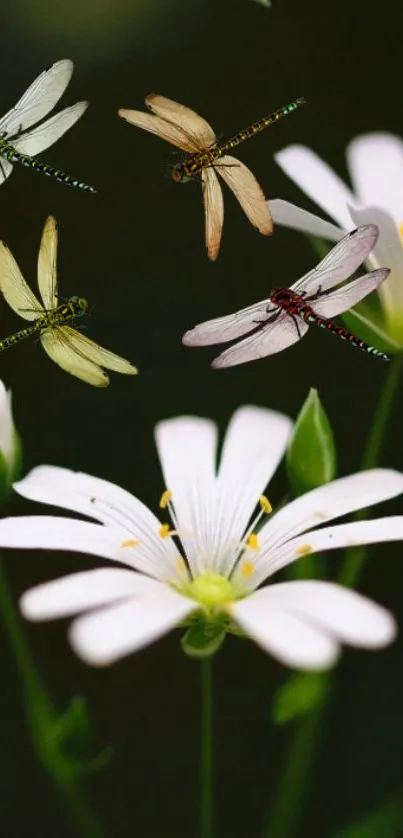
[{"x": 311, "y": 454}]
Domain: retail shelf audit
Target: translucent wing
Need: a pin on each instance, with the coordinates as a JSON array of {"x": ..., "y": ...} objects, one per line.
[
  {"x": 349, "y": 295},
  {"x": 341, "y": 261},
  {"x": 48, "y": 132},
  {"x": 57, "y": 345},
  {"x": 5, "y": 169},
  {"x": 39, "y": 99},
  {"x": 213, "y": 211},
  {"x": 47, "y": 273},
  {"x": 86, "y": 348},
  {"x": 189, "y": 121},
  {"x": 14, "y": 288},
  {"x": 248, "y": 192},
  {"x": 222, "y": 329},
  {"x": 268, "y": 340},
  {"x": 161, "y": 127}
]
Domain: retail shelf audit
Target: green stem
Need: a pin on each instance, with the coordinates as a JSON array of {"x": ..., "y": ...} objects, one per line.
[
  {"x": 207, "y": 748},
  {"x": 42, "y": 720},
  {"x": 298, "y": 769},
  {"x": 355, "y": 556}
]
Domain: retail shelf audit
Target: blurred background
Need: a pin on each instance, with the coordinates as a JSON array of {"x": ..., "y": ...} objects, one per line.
[{"x": 136, "y": 251}]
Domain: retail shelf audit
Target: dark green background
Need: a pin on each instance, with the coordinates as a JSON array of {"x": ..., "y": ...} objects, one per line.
[{"x": 136, "y": 252}]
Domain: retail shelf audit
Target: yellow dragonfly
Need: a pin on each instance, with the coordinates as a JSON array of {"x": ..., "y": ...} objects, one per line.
[
  {"x": 67, "y": 347},
  {"x": 188, "y": 131}
]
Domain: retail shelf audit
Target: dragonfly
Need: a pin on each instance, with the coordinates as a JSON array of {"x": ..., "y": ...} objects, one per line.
[
  {"x": 50, "y": 319},
  {"x": 188, "y": 131},
  {"x": 20, "y": 142},
  {"x": 285, "y": 316}
]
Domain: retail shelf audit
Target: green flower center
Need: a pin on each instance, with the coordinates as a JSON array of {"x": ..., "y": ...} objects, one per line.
[{"x": 212, "y": 589}]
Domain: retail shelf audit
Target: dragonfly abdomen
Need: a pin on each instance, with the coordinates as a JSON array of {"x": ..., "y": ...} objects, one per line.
[
  {"x": 13, "y": 156},
  {"x": 344, "y": 334},
  {"x": 20, "y": 335},
  {"x": 253, "y": 129}
]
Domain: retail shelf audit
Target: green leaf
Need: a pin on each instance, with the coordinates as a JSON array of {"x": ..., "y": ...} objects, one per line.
[
  {"x": 371, "y": 330},
  {"x": 386, "y": 821},
  {"x": 203, "y": 639},
  {"x": 300, "y": 694},
  {"x": 311, "y": 454}
]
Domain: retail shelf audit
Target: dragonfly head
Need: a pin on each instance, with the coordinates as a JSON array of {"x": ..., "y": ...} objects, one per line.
[
  {"x": 80, "y": 305},
  {"x": 178, "y": 173}
]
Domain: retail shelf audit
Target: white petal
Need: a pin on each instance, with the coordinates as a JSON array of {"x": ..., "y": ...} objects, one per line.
[
  {"x": 254, "y": 444},
  {"x": 318, "y": 181},
  {"x": 284, "y": 635},
  {"x": 187, "y": 448},
  {"x": 379, "y": 530},
  {"x": 114, "y": 632},
  {"x": 388, "y": 252},
  {"x": 81, "y": 591},
  {"x": 111, "y": 505},
  {"x": 289, "y": 215},
  {"x": 375, "y": 162},
  {"x": 340, "y": 497},
  {"x": 339, "y": 612},
  {"x": 47, "y": 532}
]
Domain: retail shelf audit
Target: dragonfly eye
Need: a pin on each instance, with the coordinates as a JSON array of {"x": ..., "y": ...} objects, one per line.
[
  {"x": 82, "y": 304},
  {"x": 178, "y": 174}
]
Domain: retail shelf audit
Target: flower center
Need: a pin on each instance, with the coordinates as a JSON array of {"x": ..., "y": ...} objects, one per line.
[{"x": 212, "y": 589}]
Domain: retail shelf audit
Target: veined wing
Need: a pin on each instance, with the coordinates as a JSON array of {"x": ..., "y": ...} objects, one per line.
[
  {"x": 5, "y": 169},
  {"x": 349, "y": 295},
  {"x": 270, "y": 339},
  {"x": 57, "y": 345},
  {"x": 161, "y": 127},
  {"x": 39, "y": 99},
  {"x": 14, "y": 288},
  {"x": 341, "y": 261},
  {"x": 35, "y": 141},
  {"x": 86, "y": 348},
  {"x": 223, "y": 329},
  {"x": 213, "y": 211},
  {"x": 47, "y": 272},
  {"x": 187, "y": 120},
  {"x": 248, "y": 192}
]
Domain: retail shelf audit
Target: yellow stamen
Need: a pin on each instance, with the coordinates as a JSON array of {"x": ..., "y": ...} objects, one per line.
[
  {"x": 304, "y": 550},
  {"x": 130, "y": 542},
  {"x": 180, "y": 564},
  {"x": 166, "y": 497},
  {"x": 253, "y": 541},
  {"x": 247, "y": 568},
  {"x": 166, "y": 532},
  {"x": 401, "y": 230},
  {"x": 265, "y": 504}
]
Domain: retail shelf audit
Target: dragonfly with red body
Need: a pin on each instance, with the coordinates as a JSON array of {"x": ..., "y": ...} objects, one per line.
[{"x": 284, "y": 318}]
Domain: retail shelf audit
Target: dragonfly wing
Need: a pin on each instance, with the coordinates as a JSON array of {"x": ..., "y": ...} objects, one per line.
[
  {"x": 48, "y": 132},
  {"x": 14, "y": 288},
  {"x": 349, "y": 295},
  {"x": 5, "y": 169},
  {"x": 161, "y": 127},
  {"x": 58, "y": 346},
  {"x": 341, "y": 261},
  {"x": 47, "y": 272},
  {"x": 86, "y": 348},
  {"x": 248, "y": 192},
  {"x": 222, "y": 329},
  {"x": 213, "y": 211},
  {"x": 270, "y": 339},
  {"x": 39, "y": 99},
  {"x": 189, "y": 121}
]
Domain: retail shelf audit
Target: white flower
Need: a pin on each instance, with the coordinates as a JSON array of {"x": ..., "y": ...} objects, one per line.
[
  {"x": 212, "y": 571},
  {"x": 9, "y": 442},
  {"x": 375, "y": 164}
]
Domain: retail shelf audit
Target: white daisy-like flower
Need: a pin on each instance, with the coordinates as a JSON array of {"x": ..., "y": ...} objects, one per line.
[
  {"x": 375, "y": 164},
  {"x": 210, "y": 571}
]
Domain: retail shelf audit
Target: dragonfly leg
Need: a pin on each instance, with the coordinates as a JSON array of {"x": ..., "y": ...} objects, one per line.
[
  {"x": 296, "y": 324},
  {"x": 318, "y": 293},
  {"x": 271, "y": 319}
]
